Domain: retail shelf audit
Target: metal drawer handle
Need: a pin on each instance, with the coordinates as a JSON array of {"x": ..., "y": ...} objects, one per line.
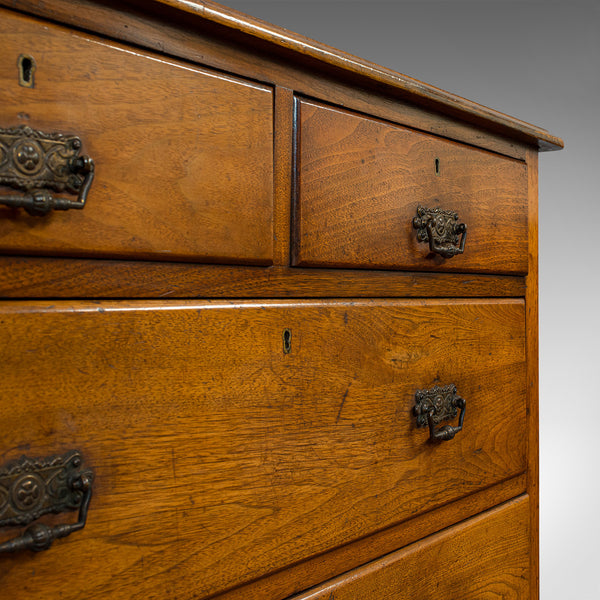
[
  {"x": 30, "y": 488},
  {"x": 439, "y": 404},
  {"x": 441, "y": 229},
  {"x": 35, "y": 162}
]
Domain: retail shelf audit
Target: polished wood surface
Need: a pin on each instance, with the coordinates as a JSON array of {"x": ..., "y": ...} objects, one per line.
[
  {"x": 361, "y": 180},
  {"x": 208, "y": 447},
  {"x": 483, "y": 559},
  {"x": 533, "y": 412},
  {"x": 311, "y": 572},
  {"x": 184, "y": 156}
]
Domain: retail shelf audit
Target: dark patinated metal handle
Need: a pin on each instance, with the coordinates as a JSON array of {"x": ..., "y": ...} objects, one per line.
[
  {"x": 441, "y": 229},
  {"x": 32, "y": 487},
  {"x": 38, "y": 537},
  {"x": 36, "y": 162},
  {"x": 439, "y": 404}
]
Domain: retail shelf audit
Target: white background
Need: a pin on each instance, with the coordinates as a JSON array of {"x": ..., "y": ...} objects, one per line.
[{"x": 538, "y": 60}]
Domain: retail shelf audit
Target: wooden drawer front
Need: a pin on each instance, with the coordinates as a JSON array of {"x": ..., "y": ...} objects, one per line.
[
  {"x": 184, "y": 156},
  {"x": 211, "y": 443},
  {"x": 485, "y": 558},
  {"x": 361, "y": 180}
]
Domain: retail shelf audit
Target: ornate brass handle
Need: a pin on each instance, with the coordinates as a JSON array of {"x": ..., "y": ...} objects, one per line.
[
  {"x": 30, "y": 488},
  {"x": 441, "y": 229},
  {"x": 439, "y": 404},
  {"x": 34, "y": 161}
]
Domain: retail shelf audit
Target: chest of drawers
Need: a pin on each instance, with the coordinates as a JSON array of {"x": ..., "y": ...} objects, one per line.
[{"x": 269, "y": 317}]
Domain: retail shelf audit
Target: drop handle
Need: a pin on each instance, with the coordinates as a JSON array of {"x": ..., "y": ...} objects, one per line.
[
  {"x": 439, "y": 404},
  {"x": 441, "y": 229},
  {"x": 38, "y": 537},
  {"x": 35, "y": 163},
  {"x": 30, "y": 488}
]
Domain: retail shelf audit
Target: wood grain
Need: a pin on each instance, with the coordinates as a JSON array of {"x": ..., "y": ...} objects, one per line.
[
  {"x": 483, "y": 559},
  {"x": 361, "y": 180},
  {"x": 40, "y": 277},
  {"x": 205, "y": 15},
  {"x": 184, "y": 156},
  {"x": 208, "y": 448},
  {"x": 309, "y": 573},
  {"x": 533, "y": 412},
  {"x": 284, "y": 140}
]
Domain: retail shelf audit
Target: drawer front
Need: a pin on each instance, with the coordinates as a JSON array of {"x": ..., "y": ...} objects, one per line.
[
  {"x": 361, "y": 181},
  {"x": 183, "y": 156},
  {"x": 485, "y": 558},
  {"x": 221, "y": 431}
]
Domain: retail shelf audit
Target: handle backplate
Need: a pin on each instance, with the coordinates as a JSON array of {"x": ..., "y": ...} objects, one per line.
[
  {"x": 36, "y": 162},
  {"x": 441, "y": 229},
  {"x": 439, "y": 404},
  {"x": 30, "y": 488}
]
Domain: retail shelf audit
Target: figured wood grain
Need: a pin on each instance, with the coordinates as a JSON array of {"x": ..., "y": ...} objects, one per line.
[
  {"x": 208, "y": 447},
  {"x": 484, "y": 558},
  {"x": 151, "y": 20},
  {"x": 41, "y": 277},
  {"x": 361, "y": 180},
  {"x": 283, "y": 143},
  {"x": 309, "y": 573},
  {"x": 184, "y": 156},
  {"x": 532, "y": 322}
]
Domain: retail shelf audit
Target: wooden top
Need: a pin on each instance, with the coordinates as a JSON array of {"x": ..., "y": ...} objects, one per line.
[
  {"x": 414, "y": 89},
  {"x": 206, "y": 15}
]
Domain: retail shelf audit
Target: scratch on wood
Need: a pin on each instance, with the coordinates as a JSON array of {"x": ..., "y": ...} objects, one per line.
[
  {"x": 173, "y": 463},
  {"x": 342, "y": 404}
]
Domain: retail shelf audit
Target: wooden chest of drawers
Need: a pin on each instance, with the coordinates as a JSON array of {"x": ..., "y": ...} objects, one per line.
[{"x": 269, "y": 317}]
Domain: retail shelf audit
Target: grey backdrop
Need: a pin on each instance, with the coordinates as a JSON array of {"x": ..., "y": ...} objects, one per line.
[{"x": 538, "y": 60}]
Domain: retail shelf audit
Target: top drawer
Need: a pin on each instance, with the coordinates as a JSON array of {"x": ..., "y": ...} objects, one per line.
[
  {"x": 183, "y": 156},
  {"x": 361, "y": 180}
]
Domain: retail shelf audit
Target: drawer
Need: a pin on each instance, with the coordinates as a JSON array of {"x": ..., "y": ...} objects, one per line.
[
  {"x": 183, "y": 156},
  {"x": 361, "y": 180},
  {"x": 218, "y": 431},
  {"x": 485, "y": 558}
]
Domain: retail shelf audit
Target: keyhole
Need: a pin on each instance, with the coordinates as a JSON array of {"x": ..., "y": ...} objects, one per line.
[
  {"x": 287, "y": 341},
  {"x": 437, "y": 166},
  {"x": 27, "y": 67}
]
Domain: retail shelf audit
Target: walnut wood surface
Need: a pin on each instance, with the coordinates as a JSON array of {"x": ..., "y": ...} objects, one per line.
[
  {"x": 483, "y": 559},
  {"x": 284, "y": 141},
  {"x": 206, "y": 15},
  {"x": 309, "y": 573},
  {"x": 208, "y": 447},
  {"x": 184, "y": 156},
  {"x": 532, "y": 327},
  {"x": 40, "y": 277},
  {"x": 361, "y": 180}
]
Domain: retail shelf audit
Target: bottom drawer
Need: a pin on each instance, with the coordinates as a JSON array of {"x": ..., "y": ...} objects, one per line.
[{"x": 486, "y": 557}]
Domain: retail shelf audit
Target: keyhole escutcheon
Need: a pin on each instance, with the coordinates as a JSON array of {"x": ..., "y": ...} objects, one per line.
[
  {"x": 287, "y": 341},
  {"x": 26, "y": 65}
]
